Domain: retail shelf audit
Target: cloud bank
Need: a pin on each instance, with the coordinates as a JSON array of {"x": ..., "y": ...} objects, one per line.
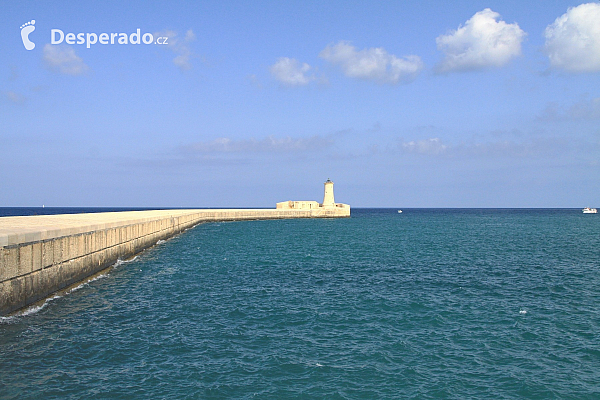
[
  {"x": 428, "y": 146},
  {"x": 63, "y": 59},
  {"x": 289, "y": 72},
  {"x": 526, "y": 148},
  {"x": 269, "y": 144},
  {"x": 374, "y": 64},
  {"x": 585, "y": 109},
  {"x": 483, "y": 42},
  {"x": 573, "y": 39}
]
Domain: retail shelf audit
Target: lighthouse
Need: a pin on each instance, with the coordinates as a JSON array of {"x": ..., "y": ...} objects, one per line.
[
  {"x": 328, "y": 208},
  {"x": 328, "y": 200}
]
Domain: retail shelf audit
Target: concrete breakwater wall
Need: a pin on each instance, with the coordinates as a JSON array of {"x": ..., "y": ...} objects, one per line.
[{"x": 40, "y": 255}]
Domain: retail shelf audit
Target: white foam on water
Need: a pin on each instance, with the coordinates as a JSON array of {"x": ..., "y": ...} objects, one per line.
[
  {"x": 76, "y": 288},
  {"x": 121, "y": 262},
  {"x": 319, "y": 365},
  {"x": 86, "y": 283},
  {"x": 160, "y": 241},
  {"x": 29, "y": 310},
  {"x": 35, "y": 309}
]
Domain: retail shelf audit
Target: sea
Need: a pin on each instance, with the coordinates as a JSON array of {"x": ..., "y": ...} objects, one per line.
[{"x": 423, "y": 304}]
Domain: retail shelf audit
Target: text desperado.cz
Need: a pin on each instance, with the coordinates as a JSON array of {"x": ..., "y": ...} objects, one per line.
[{"x": 57, "y": 37}]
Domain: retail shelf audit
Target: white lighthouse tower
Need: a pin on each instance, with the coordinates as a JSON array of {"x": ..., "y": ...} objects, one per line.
[
  {"x": 328, "y": 208},
  {"x": 328, "y": 200}
]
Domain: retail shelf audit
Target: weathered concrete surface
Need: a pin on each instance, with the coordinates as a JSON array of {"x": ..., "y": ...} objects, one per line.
[{"x": 42, "y": 254}]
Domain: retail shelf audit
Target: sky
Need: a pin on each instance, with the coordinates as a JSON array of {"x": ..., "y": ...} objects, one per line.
[{"x": 400, "y": 103}]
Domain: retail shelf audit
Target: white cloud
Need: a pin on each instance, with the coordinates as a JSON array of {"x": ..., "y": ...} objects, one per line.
[
  {"x": 530, "y": 147},
  {"x": 585, "y": 109},
  {"x": 62, "y": 59},
  {"x": 269, "y": 144},
  {"x": 588, "y": 109},
  {"x": 374, "y": 64},
  {"x": 481, "y": 43},
  {"x": 573, "y": 40},
  {"x": 290, "y": 72},
  {"x": 428, "y": 146},
  {"x": 179, "y": 46}
]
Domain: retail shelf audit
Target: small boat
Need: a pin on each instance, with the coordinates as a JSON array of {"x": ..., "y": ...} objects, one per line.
[
  {"x": 399, "y": 211},
  {"x": 588, "y": 210}
]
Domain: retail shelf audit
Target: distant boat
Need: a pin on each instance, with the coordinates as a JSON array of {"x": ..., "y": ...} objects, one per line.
[
  {"x": 399, "y": 211},
  {"x": 588, "y": 210}
]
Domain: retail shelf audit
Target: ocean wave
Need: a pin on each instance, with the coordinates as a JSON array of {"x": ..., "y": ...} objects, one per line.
[
  {"x": 29, "y": 310},
  {"x": 34, "y": 309},
  {"x": 86, "y": 283},
  {"x": 121, "y": 262}
]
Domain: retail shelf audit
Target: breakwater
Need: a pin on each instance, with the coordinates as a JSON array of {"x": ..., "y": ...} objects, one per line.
[{"x": 40, "y": 255}]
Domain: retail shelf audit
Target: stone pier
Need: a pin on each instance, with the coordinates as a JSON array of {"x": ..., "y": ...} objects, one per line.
[{"x": 42, "y": 254}]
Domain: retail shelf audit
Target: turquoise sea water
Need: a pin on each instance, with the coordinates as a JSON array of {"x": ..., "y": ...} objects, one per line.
[{"x": 427, "y": 304}]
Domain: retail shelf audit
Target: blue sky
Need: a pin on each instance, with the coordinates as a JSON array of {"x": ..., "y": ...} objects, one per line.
[{"x": 400, "y": 103}]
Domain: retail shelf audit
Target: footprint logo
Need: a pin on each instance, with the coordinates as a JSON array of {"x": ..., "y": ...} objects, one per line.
[{"x": 26, "y": 29}]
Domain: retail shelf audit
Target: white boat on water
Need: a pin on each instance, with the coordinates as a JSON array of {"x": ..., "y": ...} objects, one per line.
[
  {"x": 588, "y": 210},
  {"x": 399, "y": 211}
]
